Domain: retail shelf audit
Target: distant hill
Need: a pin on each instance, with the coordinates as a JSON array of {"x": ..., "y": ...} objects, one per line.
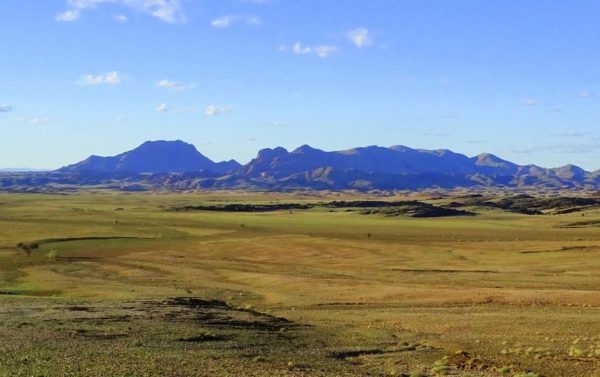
[
  {"x": 178, "y": 165},
  {"x": 153, "y": 157}
]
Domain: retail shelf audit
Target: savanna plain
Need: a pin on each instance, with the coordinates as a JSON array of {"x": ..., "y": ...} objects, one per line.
[{"x": 162, "y": 284}]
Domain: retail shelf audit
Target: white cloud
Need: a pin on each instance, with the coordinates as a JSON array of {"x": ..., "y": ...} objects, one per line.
[
  {"x": 212, "y": 110},
  {"x": 471, "y": 141},
  {"x": 321, "y": 51},
  {"x": 32, "y": 120},
  {"x": 298, "y": 49},
  {"x": 359, "y": 37},
  {"x": 173, "y": 85},
  {"x": 225, "y": 21},
  {"x": 120, "y": 18},
  {"x": 554, "y": 108},
  {"x": 276, "y": 124},
  {"x": 5, "y": 108},
  {"x": 68, "y": 16},
  {"x": 586, "y": 94},
  {"x": 325, "y": 51},
  {"x": 164, "y": 108},
  {"x": 110, "y": 78},
  {"x": 573, "y": 133},
  {"x": 531, "y": 102},
  {"x": 165, "y": 10}
]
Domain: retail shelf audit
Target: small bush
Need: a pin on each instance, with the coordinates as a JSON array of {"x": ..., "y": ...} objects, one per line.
[
  {"x": 52, "y": 254},
  {"x": 441, "y": 367},
  {"x": 575, "y": 352},
  {"x": 504, "y": 370}
]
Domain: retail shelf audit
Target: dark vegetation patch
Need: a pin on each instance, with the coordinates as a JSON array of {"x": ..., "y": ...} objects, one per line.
[
  {"x": 28, "y": 247},
  {"x": 215, "y": 313},
  {"x": 397, "y": 208},
  {"x": 243, "y": 207},
  {"x": 105, "y": 319},
  {"x": 446, "y": 271},
  {"x": 77, "y": 259},
  {"x": 403, "y": 347},
  {"x": 207, "y": 313},
  {"x": 466, "y": 361},
  {"x": 530, "y": 205},
  {"x": 356, "y": 353},
  {"x": 11, "y": 293},
  {"x": 36, "y": 293},
  {"x": 205, "y": 337},
  {"x": 78, "y": 308},
  {"x": 582, "y": 224},
  {"x": 99, "y": 335},
  {"x": 89, "y": 238},
  {"x": 417, "y": 209},
  {"x": 564, "y": 249},
  {"x": 365, "y": 204}
]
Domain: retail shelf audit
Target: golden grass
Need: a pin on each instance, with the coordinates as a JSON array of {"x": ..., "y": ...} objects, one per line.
[{"x": 511, "y": 289}]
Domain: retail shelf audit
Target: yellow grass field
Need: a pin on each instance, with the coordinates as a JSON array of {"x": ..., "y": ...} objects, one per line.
[{"x": 122, "y": 286}]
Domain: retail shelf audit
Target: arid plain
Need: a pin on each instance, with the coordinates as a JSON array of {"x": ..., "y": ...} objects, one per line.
[{"x": 143, "y": 284}]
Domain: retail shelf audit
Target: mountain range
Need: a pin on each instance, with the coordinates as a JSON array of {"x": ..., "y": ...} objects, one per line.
[{"x": 179, "y": 165}]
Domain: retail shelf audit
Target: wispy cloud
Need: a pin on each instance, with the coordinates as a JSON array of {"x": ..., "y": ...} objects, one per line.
[
  {"x": 450, "y": 115},
  {"x": 109, "y": 78},
  {"x": 173, "y": 85},
  {"x": 442, "y": 131},
  {"x": 524, "y": 150},
  {"x": 471, "y": 141},
  {"x": 359, "y": 37},
  {"x": 165, "y": 108},
  {"x": 212, "y": 110},
  {"x": 322, "y": 51},
  {"x": 226, "y": 21},
  {"x": 531, "y": 102},
  {"x": 548, "y": 106},
  {"x": 68, "y": 16},
  {"x": 584, "y": 146},
  {"x": 573, "y": 133},
  {"x": 586, "y": 94},
  {"x": 277, "y": 124},
  {"x": 554, "y": 108},
  {"x": 165, "y": 10},
  {"x": 436, "y": 132},
  {"x": 5, "y": 108},
  {"x": 120, "y": 18},
  {"x": 33, "y": 120}
]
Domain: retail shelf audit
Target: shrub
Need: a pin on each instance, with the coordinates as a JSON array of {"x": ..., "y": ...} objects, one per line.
[
  {"x": 52, "y": 254},
  {"x": 574, "y": 351}
]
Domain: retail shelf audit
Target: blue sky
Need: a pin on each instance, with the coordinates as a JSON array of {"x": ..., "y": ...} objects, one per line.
[{"x": 520, "y": 79}]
